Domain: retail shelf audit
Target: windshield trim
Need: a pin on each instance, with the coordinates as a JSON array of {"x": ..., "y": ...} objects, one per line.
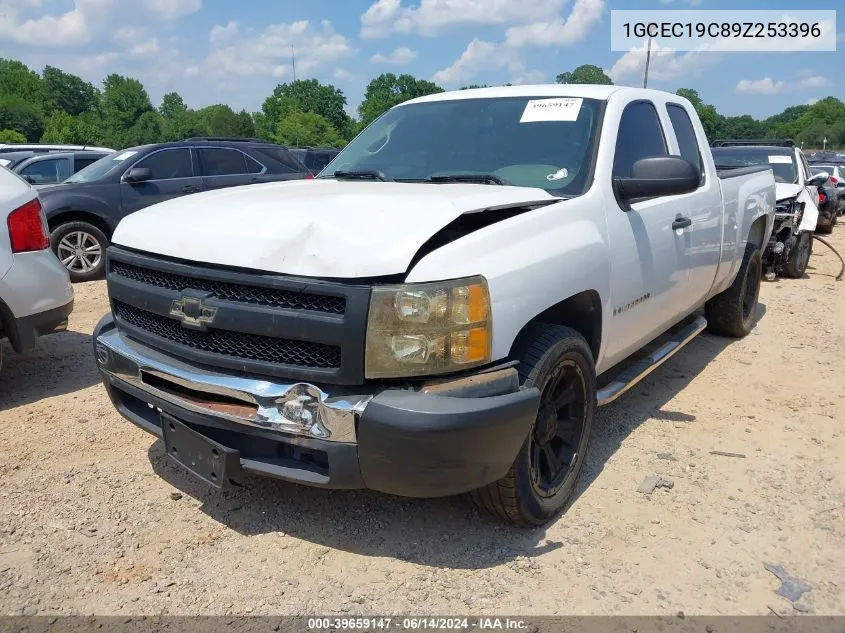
[{"x": 591, "y": 156}]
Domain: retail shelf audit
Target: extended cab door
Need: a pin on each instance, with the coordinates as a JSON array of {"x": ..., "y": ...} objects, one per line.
[
  {"x": 702, "y": 239},
  {"x": 226, "y": 167},
  {"x": 172, "y": 172},
  {"x": 648, "y": 251}
]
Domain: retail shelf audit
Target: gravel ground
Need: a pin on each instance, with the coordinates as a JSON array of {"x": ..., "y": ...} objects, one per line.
[{"x": 94, "y": 520}]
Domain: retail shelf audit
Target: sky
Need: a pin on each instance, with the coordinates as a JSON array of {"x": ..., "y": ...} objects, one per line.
[{"x": 237, "y": 51}]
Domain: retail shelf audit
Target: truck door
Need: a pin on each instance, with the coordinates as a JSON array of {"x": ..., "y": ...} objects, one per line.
[
  {"x": 702, "y": 239},
  {"x": 647, "y": 249}
]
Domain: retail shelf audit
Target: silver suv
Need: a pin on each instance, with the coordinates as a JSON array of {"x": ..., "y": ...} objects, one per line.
[{"x": 36, "y": 297}]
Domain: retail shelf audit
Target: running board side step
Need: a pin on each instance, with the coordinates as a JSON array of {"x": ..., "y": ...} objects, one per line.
[{"x": 636, "y": 371}]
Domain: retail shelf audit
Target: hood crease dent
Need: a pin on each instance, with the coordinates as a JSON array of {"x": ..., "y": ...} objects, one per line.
[{"x": 314, "y": 228}]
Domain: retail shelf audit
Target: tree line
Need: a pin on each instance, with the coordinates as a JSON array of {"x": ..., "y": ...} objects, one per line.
[{"x": 58, "y": 107}]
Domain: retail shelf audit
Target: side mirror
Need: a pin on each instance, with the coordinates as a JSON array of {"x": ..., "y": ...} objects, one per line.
[
  {"x": 138, "y": 174},
  {"x": 658, "y": 176},
  {"x": 818, "y": 179}
]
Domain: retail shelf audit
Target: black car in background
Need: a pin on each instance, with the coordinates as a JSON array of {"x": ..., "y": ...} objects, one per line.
[
  {"x": 315, "y": 158},
  {"x": 83, "y": 212}
]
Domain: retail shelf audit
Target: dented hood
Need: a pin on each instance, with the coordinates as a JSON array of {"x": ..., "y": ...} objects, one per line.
[{"x": 313, "y": 228}]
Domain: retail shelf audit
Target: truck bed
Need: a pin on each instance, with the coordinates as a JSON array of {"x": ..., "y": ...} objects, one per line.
[{"x": 724, "y": 172}]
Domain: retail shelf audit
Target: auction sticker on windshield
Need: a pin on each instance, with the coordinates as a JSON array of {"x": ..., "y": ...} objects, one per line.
[
  {"x": 125, "y": 155},
  {"x": 564, "y": 109},
  {"x": 780, "y": 160}
]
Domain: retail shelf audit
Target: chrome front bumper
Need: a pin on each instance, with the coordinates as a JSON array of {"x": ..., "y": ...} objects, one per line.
[{"x": 293, "y": 408}]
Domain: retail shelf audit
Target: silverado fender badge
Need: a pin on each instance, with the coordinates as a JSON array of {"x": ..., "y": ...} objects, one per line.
[{"x": 191, "y": 311}]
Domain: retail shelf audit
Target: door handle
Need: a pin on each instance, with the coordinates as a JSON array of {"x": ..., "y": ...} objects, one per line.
[
  {"x": 681, "y": 223},
  {"x": 190, "y": 189}
]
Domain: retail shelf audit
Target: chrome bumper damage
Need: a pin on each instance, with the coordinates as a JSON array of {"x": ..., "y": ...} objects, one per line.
[{"x": 294, "y": 407}]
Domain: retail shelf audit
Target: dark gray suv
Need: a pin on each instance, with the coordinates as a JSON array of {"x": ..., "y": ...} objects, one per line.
[{"x": 83, "y": 212}]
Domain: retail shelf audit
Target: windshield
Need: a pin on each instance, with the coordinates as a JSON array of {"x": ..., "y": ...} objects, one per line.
[
  {"x": 104, "y": 167},
  {"x": 782, "y": 164},
  {"x": 544, "y": 143}
]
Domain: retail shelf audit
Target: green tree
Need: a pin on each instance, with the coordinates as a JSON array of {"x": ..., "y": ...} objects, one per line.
[
  {"x": 124, "y": 102},
  {"x": 221, "y": 120},
  {"x": 59, "y": 128},
  {"x": 10, "y": 136},
  {"x": 309, "y": 95},
  {"x": 89, "y": 129},
  {"x": 388, "y": 90},
  {"x": 712, "y": 121},
  {"x": 149, "y": 128},
  {"x": 68, "y": 92},
  {"x": 18, "y": 80},
  {"x": 307, "y": 128},
  {"x": 585, "y": 74},
  {"x": 172, "y": 106},
  {"x": 22, "y": 116}
]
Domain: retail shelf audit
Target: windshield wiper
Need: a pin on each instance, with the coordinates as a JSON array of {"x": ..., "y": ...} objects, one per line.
[
  {"x": 479, "y": 178},
  {"x": 370, "y": 174}
]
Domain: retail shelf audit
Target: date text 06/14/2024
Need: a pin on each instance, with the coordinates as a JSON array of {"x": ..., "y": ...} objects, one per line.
[{"x": 416, "y": 623}]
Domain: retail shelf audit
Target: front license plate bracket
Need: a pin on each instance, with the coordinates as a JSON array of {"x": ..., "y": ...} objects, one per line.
[{"x": 215, "y": 464}]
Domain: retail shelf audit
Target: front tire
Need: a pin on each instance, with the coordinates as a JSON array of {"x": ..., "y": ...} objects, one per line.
[
  {"x": 799, "y": 256},
  {"x": 731, "y": 312},
  {"x": 558, "y": 361},
  {"x": 81, "y": 247}
]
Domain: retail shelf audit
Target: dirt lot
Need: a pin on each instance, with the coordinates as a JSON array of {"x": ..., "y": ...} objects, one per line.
[{"x": 89, "y": 523}]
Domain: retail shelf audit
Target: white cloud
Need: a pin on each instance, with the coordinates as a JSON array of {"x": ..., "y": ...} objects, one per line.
[
  {"x": 559, "y": 32},
  {"x": 145, "y": 49},
  {"x": 768, "y": 86},
  {"x": 479, "y": 56},
  {"x": 191, "y": 71},
  {"x": 764, "y": 86},
  {"x": 665, "y": 64},
  {"x": 432, "y": 17},
  {"x": 812, "y": 101},
  {"x": 69, "y": 28},
  {"x": 222, "y": 34},
  {"x": 269, "y": 53},
  {"x": 400, "y": 56},
  {"x": 342, "y": 75},
  {"x": 816, "y": 81},
  {"x": 172, "y": 9}
]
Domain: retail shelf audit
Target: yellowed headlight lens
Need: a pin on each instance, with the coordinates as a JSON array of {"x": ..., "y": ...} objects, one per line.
[{"x": 431, "y": 328}]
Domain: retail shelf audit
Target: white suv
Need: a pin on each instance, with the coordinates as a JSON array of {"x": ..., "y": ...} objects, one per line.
[{"x": 35, "y": 292}]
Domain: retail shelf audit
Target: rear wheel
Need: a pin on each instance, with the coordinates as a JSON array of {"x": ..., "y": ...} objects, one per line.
[
  {"x": 81, "y": 247},
  {"x": 731, "y": 312},
  {"x": 558, "y": 362},
  {"x": 799, "y": 256}
]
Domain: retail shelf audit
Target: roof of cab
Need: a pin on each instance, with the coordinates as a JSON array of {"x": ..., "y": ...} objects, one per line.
[{"x": 587, "y": 91}]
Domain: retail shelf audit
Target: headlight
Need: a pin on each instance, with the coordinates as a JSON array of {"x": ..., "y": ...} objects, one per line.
[{"x": 430, "y": 328}]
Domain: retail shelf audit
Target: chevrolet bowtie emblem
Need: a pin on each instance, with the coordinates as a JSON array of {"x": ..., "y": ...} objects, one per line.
[{"x": 191, "y": 311}]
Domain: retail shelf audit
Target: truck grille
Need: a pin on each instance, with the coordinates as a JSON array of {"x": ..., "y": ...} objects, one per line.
[
  {"x": 235, "y": 344},
  {"x": 294, "y": 328},
  {"x": 235, "y": 292}
]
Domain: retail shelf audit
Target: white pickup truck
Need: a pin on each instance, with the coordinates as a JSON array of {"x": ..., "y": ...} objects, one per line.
[{"x": 444, "y": 307}]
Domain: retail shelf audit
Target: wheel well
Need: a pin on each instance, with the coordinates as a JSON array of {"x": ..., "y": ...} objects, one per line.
[
  {"x": 78, "y": 216},
  {"x": 581, "y": 312},
  {"x": 757, "y": 231}
]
